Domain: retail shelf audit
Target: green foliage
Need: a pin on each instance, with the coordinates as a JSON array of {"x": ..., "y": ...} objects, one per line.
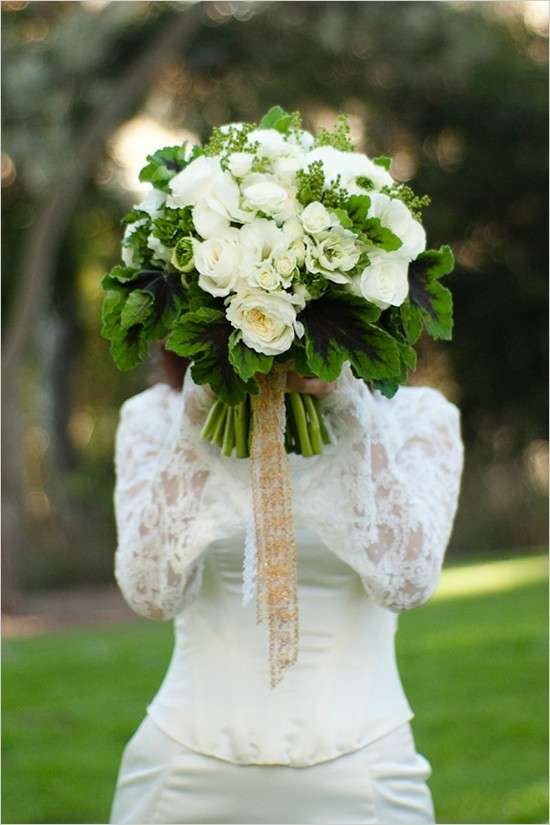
[
  {"x": 231, "y": 139},
  {"x": 416, "y": 203},
  {"x": 203, "y": 335},
  {"x": 339, "y": 138},
  {"x": 310, "y": 183},
  {"x": 173, "y": 225},
  {"x": 370, "y": 230},
  {"x": 277, "y": 118},
  {"x": 315, "y": 282},
  {"x": 164, "y": 164},
  {"x": 432, "y": 300},
  {"x": 340, "y": 327},
  {"x": 139, "y": 311},
  {"x": 247, "y": 362},
  {"x": 384, "y": 161}
]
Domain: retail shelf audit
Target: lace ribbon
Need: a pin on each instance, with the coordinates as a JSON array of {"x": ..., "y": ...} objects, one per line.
[{"x": 276, "y": 558}]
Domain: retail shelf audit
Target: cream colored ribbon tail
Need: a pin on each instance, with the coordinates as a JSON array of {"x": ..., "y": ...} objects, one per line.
[{"x": 276, "y": 557}]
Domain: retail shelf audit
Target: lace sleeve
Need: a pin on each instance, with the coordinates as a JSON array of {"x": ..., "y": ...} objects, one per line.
[
  {"x": 399, "y": 476},
  {"x": 162, "y": 471}
]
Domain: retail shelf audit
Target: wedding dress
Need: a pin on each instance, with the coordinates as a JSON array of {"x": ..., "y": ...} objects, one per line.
[{"x": 332, "y": 742}]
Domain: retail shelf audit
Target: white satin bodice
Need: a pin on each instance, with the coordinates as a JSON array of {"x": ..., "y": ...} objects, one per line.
[{"x": 372, "y": 515}]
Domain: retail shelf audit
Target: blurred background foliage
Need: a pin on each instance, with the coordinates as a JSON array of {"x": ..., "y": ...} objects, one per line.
[{"x": 455, "y": 92}]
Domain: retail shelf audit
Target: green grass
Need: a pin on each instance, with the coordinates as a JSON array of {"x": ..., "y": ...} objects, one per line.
[{"x": 473, "y": 663}]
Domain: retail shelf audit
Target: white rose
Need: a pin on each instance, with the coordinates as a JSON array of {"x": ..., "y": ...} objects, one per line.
[
  {"x": 217, "y": 261},
  {"x": 162, "y": 253},
  {"x": 208, "y": 222},
  {"x": 266, "y": 277},
  {"x": 332, "y": 253},
  {"x": 240, "y": 163},
  {"x": 152, "y": 202},
  {"x": 267, "y": 320},
  {"x": 204, "y": 181},
  {"x": 350, "y": 166},
  {"x": 285, "y": 264},
  {"x": 263, "y": 243},
  {"x": 316, "y": 218},
  {"x": 394, "y": 215},
  {"x": 384, "y": 282},
  {"x": 263, "y": 194}
]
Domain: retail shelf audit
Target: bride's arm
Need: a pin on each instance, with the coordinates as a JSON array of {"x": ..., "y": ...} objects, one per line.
[
  {"x": 162, "y": 470},
  {"x": 399, "y": 484}
]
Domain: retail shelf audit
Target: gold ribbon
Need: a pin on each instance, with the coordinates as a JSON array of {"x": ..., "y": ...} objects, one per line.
[{"x": 276, "y": 558}]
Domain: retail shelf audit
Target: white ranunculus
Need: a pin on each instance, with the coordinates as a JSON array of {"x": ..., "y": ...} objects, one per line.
[
  {"x": 240, "y": 163},
  {"x": 267, "y": 320},
  {"x": 217, "y": 261},
  {"x": 332, "y": 253},
  {"x": 316, "y": 218},
  {"x": 384, "y": 282},
  {"x": 263, "y": 244},
  {"x": 152, "y": 203},
  {"x": 265, "y": 276},
  {"x": 204, "y": 181},
  {"x": 285, "y": 263},
  {"x": 350, "y": 166},
  {"x": 209, "y": 222},
  {"x": 127, "y": 253},
  {"x": 162, "y": 253},
  {"x": 263, "y": 194},
  {"x": 394, "y": 215}
]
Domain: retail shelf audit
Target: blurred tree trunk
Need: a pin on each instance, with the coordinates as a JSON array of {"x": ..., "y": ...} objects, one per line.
[{"x": 39, "y": 260}]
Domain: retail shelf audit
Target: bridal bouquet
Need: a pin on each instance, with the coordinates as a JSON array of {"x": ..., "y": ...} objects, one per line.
[
  {"x": 264, "y": 249},
  {"x": 269, "y": 245}
]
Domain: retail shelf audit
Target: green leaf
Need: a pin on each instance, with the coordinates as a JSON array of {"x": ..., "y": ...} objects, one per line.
[
  {"x": 411, "y": 321},
  {"x": 382, "y": 160},
  {"x": 247, "y": 362},
  {"x": 163, "y": 165},
  {"x": 120, "y": 274},
  {"x": 380, "y": 235},
  {"x": 339, "y": 328},
  {"x": 111, "y": 308},
  {"x": 136, "y": 308},
  {"x": 272, "y": 117},
  {"x": 203, "y": 335},
  {"x": 431, "y": 298},
  {"x": 357, "y": 207}
]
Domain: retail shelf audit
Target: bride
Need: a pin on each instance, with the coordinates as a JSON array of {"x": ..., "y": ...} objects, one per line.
[{"x": 332, "y": 743}]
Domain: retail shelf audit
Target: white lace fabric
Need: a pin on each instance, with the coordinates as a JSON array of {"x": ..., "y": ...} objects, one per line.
[{"x": 382, "y": 497}]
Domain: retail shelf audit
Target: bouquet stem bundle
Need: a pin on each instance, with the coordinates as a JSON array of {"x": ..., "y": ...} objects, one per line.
[{"x": 230, "y": 427}]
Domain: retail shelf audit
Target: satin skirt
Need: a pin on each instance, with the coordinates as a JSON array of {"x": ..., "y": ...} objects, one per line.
[{"x": 162, "y": 781}]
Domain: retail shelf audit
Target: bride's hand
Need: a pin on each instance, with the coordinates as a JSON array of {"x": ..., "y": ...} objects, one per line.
[{"x": 311, "y": 386}]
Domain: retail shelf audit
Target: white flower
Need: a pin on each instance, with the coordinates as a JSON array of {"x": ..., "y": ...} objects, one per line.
[
  {"x": 208, "y": 222},
  {"x": 394, "y": 215},
  {"x": 267, "y": 320},
  {"x": 286, "y": 167},
  {"x": 273, "y": 144},
  {"x": 316, "y": 218},
  {"x": 240, "y": 163},
  {"x": 350, "y": 166},
  {"x": 303, "y": 139},
  {"x": 264, "y": 248},
  {"x": 204, "y": 181},
  {"x": 162, "y": 253},
  {"x": 127, "y": 253},
  {"x": 152, "y": 203},
  {"x": 384, "y": 282},
  {"x": 218, "y": 261},
  {"x": 332, "y": 253},
  {"x": 262, "y": 193}
]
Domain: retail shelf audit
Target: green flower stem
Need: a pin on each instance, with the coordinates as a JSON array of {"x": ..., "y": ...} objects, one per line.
[
  {"x": 241, "y": 417},
  {"x": 217, "y": 438},
  {"x": 314, "y": 428},
  {"x": 301, "y": 423},
  {"x": 229, "y": 432},
  {"x": 212, "y": 419},
  {"x": 324, "y": 432}
]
